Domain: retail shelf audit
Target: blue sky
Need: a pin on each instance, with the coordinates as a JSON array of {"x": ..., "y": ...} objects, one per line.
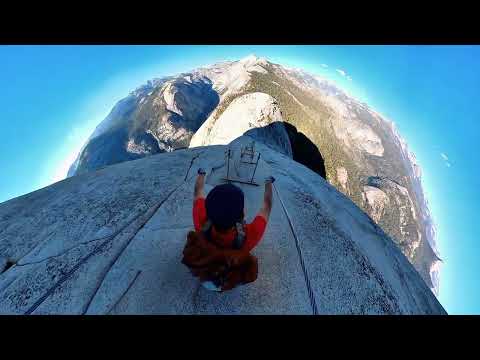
[{"x": 52, "y": 97}]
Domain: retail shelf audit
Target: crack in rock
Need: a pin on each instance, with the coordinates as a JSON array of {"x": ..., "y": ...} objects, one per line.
[
  {"x": 148, "y": 214},
  {"x": 63, "y": 252},
  {"x": 191, "y": 163},
  {"x": 125, "y": 292},
  {"x": 81, "y": 262},
  {"x": 115, "y": 233},
  {"x": 195, "y": 298},
  {"x": 179, "y": 227}
]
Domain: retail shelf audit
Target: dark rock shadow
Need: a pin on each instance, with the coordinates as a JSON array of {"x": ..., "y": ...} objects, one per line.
[
  {"x": 304, "y": 150},
  {"x": 8, "y": 264}
]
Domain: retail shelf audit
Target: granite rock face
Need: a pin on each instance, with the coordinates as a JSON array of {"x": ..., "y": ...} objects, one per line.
[
  {"x": 255, "y": 114},
  {"x": 110, "y": 242}
]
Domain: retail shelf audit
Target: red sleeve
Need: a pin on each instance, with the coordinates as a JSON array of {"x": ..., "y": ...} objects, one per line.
[
  {"x": 199, "y": 214},
  {"x": 254, "y": 232}
]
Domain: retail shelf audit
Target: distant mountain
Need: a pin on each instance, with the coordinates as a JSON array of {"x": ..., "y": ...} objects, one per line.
[
  {"x": 308, "y": 118},
  {"x": 158, "y": 117}
]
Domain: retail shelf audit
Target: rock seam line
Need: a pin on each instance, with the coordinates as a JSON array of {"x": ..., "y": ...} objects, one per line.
[
  {"x": 154, "y": 211},
  {"x": 100, "y": 247},
  {"x": 112, "y": 263},
  {"x": 125, "y": 292},
  {"x": 83, "y": 260}
]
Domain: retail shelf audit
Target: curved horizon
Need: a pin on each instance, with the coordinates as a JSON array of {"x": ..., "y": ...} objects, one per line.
[{"x": 411, "y": 85}]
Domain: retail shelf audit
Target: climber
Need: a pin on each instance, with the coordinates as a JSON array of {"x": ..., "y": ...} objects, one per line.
[{"x": 220, "y": 220}]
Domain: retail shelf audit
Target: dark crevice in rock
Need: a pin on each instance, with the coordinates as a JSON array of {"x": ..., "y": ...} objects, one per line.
[{"x": 8, "y": 265}]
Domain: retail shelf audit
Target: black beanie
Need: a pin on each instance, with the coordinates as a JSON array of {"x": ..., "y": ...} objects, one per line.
[{"x": 224, "y": 205}]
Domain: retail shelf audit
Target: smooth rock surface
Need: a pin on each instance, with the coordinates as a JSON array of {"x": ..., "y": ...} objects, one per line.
[
  {"x": 110, "y": 241},
  {"x": 255, "y": 113}
]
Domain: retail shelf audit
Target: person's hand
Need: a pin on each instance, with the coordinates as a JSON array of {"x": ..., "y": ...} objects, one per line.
[
  {"x": 201, "y": 171},
  {"x": 269, "y": 179}
]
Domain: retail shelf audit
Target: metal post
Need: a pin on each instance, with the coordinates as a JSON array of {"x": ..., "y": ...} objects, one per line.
[
  {"x": 255, "y": 167},
  {"x": 228, "y": 163}
]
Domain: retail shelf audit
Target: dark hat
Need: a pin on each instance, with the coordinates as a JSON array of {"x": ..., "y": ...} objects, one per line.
[{"x": 224, "y": 205}]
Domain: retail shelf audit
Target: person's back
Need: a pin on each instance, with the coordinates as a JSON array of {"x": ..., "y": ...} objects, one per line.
[{"x": 220, "y": 216}]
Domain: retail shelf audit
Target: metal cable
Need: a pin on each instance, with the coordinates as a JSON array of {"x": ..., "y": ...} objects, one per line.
[{"x": 300, "y": 255}]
